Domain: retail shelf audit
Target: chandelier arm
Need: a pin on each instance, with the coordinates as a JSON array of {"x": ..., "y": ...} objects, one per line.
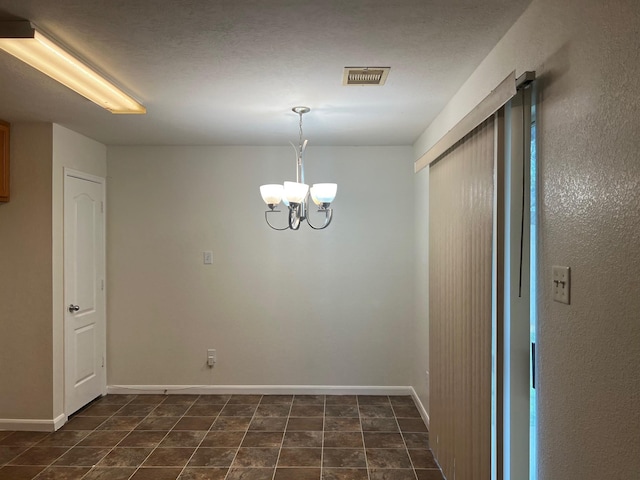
[
  {"x": 327, "y": 219},
  {"x": 269, "y": 223},
  {"x": 294, "y": 217}
]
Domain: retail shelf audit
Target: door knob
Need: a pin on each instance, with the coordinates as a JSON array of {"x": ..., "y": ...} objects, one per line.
[{"x": 74, "y": 308}]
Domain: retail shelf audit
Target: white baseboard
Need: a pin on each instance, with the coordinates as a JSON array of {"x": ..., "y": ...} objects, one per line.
[
  {"x": 22, "y": 425},
  {"x": 421, "y": 409},
  {"x": 261, "y": 389}
]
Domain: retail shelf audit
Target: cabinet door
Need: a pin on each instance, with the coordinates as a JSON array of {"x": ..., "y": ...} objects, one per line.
[{"x": 4, "y": 161}]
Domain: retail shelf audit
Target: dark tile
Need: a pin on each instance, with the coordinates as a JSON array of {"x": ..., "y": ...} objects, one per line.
[
  {"x": 125, "y": 457},
  {"x": 67, "y": 438},
  {"x": 110, "y": 473},
  {"x": 82, "y": 456},
  {"x": 103, "y": 438},
  {"x": 401, "y": 401},
  {"x": 10, "y": 472},
  {"x": 302, "y": 439},
  {"x": 169, "y": 457},
  {"x": 39, "y": 456},
  {"x": 406, "y": 412},
  {"x": 373, "y": 400},
  {"x": 148, "y": 399},
  {"x": 429, "y": 474},
  {"x": 120, "y": 423},
  {"x": 379, "y": 424},
  {"x": 412, "y": 425},
  {"x": 199, "y": 473},
  {"x": 100, "y": 410},
  {"x": 115, "y": 399},
  {"x": 5, "y": 433},
  {"x": 186, "y": 438},
  {"x": 334, "y": 424},
  {"x": 341, "y": 400},
  {"x": 135, "y": 410},
  {"x": 156, "y": 473},
  {"x": 350, "y": 411},
  {"x": 83, "y": 423},
  {"x": 343, "y": 440},
  {"x": 300, "y": 457},
  {"x": 383, "y": 440},
  {"x": 63, "y": 473},
  {"x": 388, "y": 458},
  {"x": 262, "y": 439},
  {"x": 268, "y": 424},
  {"x": 238, "y": 410},
  {"x": 9, "y": 453},
  {"x": 212, "y": 399},
  {"x": 343, "y": 457},
  {"x": 244, "y": 400},
  {"x": 345, "y": 474},
  {"x": 231, "y": 423},
  {"x": 204, "y": 410},
  {"x": 194, "y": 423},
  {"x": 142, "y": 439},
  {"x": 276, "y": 399},
  {"x": 169, "y": 410},
  {"x": 180, "y": 399},
  {"x": 392, "y": 474},
  {"x": 250, "y": 474},
  {"x": 256, "y": 457},
  {"x": 301, "y": 410},
  {"x": 422, "y": 458},
  {"x": 305, "y": 424},
  {"x": 297, "y": 474},
  {"x": 416, "y": 440},
  {"x": 17, "y": 439},
  {"x": 273, "y": 410},
  {"x": 212, "y": 457},
  {"x": 308, "y": 400},
  {"x": 223, "y": 438},
  {"x": 376, "y": 411},
  {"x": 157, "y": 423}
]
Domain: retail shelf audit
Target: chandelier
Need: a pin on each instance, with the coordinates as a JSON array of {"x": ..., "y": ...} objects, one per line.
[{"x": 295, "y": 195}]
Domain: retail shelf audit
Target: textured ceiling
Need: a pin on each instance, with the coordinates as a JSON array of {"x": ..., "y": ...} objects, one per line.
[{"x": 228, "y": 72}]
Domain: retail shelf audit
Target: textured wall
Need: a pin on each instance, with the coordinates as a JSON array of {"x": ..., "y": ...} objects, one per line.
[
  {"x": 333, "y": 307},
  {"x": 587, "y": 58},
  {"x": 25, "y": 278}
]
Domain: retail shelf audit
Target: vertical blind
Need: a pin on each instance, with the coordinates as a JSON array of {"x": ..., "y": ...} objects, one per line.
[{"x": 461, "y": 198}]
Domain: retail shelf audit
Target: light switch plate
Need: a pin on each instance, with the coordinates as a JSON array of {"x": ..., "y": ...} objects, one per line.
[
  {"x": 561, "y": 284},
  {"x": 207, "y": 257}
]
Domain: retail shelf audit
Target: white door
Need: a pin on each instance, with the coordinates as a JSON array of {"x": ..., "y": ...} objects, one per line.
[{"x": 84, "y": 259}]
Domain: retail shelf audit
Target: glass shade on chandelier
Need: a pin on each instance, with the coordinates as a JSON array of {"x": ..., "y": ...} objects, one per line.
[{"x": 295, "y": 195}]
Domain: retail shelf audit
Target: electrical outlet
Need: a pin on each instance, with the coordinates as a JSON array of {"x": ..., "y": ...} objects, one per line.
[
  {"x": 561, "y": 284},
  {"x": 212, "y": 357},
  {"x": 207, "y": 257}
]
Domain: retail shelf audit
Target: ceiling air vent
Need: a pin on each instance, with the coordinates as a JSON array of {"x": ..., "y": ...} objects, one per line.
[{"x": 365, "y": 75}]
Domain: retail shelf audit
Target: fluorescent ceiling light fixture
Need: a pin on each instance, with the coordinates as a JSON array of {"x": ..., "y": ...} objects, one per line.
[{"x": 22, "y": 40}]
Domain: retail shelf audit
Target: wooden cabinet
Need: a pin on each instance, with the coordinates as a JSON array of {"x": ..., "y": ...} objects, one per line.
[{"x": 4, "y": 161}]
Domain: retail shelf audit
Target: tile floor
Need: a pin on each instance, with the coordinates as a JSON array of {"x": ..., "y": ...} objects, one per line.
[{"x": 228, "y": 437}]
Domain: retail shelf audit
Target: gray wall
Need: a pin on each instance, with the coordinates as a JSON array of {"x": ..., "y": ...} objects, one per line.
[{"x": 333, "y": 307}]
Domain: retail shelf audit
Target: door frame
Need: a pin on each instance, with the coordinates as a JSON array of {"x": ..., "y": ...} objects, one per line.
[{"x": 72, "y": 173}]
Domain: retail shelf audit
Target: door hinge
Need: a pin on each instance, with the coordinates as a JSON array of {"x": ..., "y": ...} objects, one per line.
[
  {"x": 102, "y": 284},
  {"x": 103, "y": 361}
]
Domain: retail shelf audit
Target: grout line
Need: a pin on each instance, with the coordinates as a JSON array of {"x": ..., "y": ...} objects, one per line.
[
  {"x": 364, "y": 445},
  {"x": 205, "y": 435},
  {"x": 286, "y": 425}
]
